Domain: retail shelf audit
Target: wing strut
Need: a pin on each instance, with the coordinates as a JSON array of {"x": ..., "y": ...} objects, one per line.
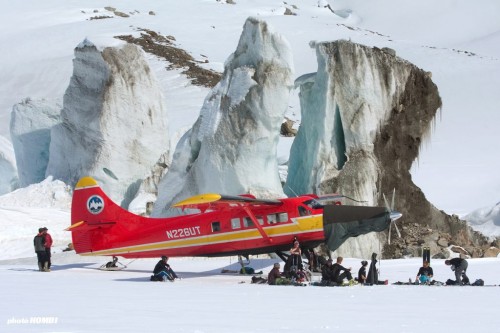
[{"x": 256, "y": 223}]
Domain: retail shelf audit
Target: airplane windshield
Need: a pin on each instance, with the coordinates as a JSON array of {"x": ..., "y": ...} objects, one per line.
[{"x": 313, "y": 203}]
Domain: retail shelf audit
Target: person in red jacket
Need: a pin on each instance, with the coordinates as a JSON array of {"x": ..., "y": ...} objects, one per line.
[{"x": 48, "y": 245}]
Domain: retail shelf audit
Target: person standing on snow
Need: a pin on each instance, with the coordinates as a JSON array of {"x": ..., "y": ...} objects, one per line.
[
  {"x": 39, "y": 243},
  {"x": 48, "y": 245},
  {"x": 459, "y": 265}
]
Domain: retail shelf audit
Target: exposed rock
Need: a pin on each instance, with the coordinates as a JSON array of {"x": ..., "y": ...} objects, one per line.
[
  {"x": 287, "y": 128},
  {"x": 443, "y": 242},
  {"x": 491, "y": 252},
  {"x": 162, "y": 46},
  {"x": 459, "y": 249},
  {"x": 365, "y": 113},
  {"x": 121, "y": 14}
]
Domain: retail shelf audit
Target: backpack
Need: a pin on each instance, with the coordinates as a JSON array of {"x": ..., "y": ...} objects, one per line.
[
  {"x": 247, "y": 270},
  {"x": 478, "y": 282},
  {"x": 451, "y": 282}
]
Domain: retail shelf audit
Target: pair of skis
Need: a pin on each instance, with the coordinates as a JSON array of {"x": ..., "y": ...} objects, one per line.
[{"x": 426, "y": 255}]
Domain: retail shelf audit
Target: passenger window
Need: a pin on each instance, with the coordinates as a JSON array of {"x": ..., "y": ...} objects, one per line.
[
  {"x": 271, "y": 218},
  {"x": 236, "y": 223},
  {"x": 282, "y": 217},
  {"x": 260, "y": 219},
  {"x": 247, "y": 222},
  {"x": 215, "y": 226}
]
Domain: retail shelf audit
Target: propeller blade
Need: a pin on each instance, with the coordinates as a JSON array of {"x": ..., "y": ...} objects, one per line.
[
  {"x": 393, "y": 214},
  {"x": 397, "y": 229},
  {"x": 389, "y": 237},
  {"x": 386, "y": 203},
  {"x": 392, "y": 202}
]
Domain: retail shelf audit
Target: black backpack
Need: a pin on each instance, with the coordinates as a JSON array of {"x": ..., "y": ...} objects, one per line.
[
  {"x": 451, "y": 282},
  {"x": 478, "y": 282}
]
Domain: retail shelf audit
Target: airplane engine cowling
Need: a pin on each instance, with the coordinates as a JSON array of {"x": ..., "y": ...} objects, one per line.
[{"x": 342, "y": 222}]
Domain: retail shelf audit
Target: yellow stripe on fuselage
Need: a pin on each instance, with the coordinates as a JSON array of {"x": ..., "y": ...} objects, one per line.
[{"x": 304, "y": 224}]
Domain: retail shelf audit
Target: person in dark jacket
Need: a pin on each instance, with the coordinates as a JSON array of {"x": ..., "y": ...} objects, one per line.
[
  {"x": 327, "y": 273},
  {"x": 39, "y": 243},
  {"x": 372, "y": 277},
  {"x": 112, "y": 263},
  {"x": 163, "y": 270},
  {"x": 334, "y": 274},
  {"x": 341, "y": 272},
  {"x": 459, "y": 265},
  {"x": 362, "y": 272},
  {"x": 275, "y": 278},
  {"x": 425, "y": 274}
]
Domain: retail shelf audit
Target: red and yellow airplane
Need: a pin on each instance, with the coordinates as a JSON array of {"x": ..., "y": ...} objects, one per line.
[{"x": 224, "y": 225}]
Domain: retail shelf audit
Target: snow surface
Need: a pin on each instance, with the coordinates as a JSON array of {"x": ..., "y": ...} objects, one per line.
[
  {"x": 85, "y": 299},
  {"x": 457, "y": 40}
]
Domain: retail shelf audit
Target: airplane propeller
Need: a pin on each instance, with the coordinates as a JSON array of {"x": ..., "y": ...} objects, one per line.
[{"x": 394, "y": 215}]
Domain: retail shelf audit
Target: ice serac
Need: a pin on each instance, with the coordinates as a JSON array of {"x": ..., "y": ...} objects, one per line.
[
  {"x": 30, "y": 125},
  {"x": 9, "y": 180},
  {"x": 231, "y": 148},
  {"x": 364, "y": 114},
  {"x": 113, "y": 121}
]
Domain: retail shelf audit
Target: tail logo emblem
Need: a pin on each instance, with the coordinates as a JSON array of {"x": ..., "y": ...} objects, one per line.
[{"x": 95, "y": 204}]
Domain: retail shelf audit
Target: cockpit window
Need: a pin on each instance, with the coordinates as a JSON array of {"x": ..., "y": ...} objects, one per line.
[
  {"x": 314, "y": 204},
  {"x": 303, "y": 211}
]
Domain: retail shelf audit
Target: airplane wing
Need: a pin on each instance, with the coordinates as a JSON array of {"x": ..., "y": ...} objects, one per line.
[{"x": 218, "y": 201}]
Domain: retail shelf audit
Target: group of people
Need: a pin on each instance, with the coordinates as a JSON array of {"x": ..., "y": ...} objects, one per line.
[
  {"x": 458, "y": 265},
  {"x": 336, "y": 274},
  {"x": 43, "y": 243},
  {"x": 331, "y": 274}
]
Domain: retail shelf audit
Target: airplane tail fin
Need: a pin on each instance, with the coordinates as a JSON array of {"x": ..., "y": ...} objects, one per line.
[{"x": 94, "y": 218}]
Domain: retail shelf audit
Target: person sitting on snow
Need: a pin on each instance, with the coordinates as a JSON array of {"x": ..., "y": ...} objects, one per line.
[
  {"x": 372, "y": 277},
  {"x": 112, "y": 264},
  {"x": 340, "y": 272},
  {"x": 424, "y": 274},
  {"x": 362, "y": 272},
  {"x": 163, "y": 271},
  {"x": 275, "y": 278}
]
